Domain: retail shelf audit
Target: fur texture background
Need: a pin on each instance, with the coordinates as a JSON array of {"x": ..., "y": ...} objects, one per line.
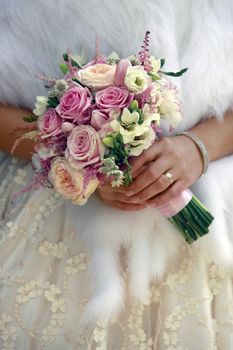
[{"x": 197, "y": 34}]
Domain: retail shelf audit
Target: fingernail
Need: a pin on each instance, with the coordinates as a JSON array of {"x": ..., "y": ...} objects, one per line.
[{"x": 129, "y": 193}]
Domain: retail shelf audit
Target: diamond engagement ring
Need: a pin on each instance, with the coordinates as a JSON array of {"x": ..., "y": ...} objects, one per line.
[{"x": 170, "y": 178}]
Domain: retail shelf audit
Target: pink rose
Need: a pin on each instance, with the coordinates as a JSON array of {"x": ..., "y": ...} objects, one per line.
[
  {"x": 50, "y": 124},
  {"x": 113, "y": 98},
  {"x": 84, "y": 147},
  {"x": 74, "y": 103},
  {"x": 69, "y": 182}
]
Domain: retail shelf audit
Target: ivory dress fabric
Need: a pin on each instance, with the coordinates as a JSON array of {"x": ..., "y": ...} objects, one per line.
[{"x": 45, "y": 271}]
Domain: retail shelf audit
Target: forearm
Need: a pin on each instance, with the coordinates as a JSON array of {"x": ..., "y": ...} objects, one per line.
[
  {"x": 11, "y": 122},
  {"x": 217, "y": 136}
]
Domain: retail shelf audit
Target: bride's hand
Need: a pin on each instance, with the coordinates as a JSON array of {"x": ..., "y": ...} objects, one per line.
[
  {"x": 115, "y": 197},
  {"x": 178, "y": 156}
]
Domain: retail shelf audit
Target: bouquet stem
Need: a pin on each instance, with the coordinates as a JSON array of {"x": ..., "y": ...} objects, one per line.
[{"x": 192, "y": 220}]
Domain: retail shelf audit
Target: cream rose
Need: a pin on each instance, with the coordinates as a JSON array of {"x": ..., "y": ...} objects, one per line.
[
  {"x": 69, "y": 182},
  {"x": 98, "y": 76},
  {"x": 136, "y": 79}
]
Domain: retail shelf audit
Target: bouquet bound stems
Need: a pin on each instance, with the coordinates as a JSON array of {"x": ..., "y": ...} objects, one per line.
[{"x": 189, "y": 216}]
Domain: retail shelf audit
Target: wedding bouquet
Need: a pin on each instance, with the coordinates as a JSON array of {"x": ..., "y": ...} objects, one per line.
[{"x": 98, "y": 116}]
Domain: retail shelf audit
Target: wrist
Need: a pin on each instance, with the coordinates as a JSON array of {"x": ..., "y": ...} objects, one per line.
[{"x": 200, "y": 146}]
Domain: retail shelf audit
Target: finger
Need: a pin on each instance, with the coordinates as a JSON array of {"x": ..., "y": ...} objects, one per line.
[
  {"x": 124, "y": 206},
  {"x": 105, "y": 188},
  {"x": 150, "y": 175},
  {"x": 115, "y": 196},
  {"x": 147, "y": 156},
  {"x": 139, "y": 171},
  {"x": 165, "y": 197},
  {"x": 154, "y": 189}
]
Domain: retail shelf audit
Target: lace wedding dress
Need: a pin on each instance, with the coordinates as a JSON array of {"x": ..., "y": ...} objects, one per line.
[{"x": 45, "y": 270}]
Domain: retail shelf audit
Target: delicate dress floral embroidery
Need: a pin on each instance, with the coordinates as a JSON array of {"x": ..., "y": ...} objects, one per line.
[
  {"x": 20, "y": 177},
  {"x": 8, "y": 333},
  {"x": 76, "y": 264},
  {"x": 57, "y": 250}
]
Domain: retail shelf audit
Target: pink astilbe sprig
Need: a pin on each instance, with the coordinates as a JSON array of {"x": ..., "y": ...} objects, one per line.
[
  {"x": 97, "y": 49},
  {"x": 32, "y": 127},
  {"x": 32, "y": 135},
  {"x": 144, "y": 56},
  {"x": 91, "y": 173},
  {"x": 39, "y": 181},
  {"x": 48, "y": 80},
  {"x": 145, "y": 96}
]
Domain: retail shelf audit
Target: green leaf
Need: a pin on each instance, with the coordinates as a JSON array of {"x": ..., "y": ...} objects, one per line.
[
  {"x": 65, "y": 57},
  {"x": 52, "y": 102},
  {"x": 64, "y": 68},
  {"x": 75, "y": 64},
  {"x": 78, "y": 82},
  {"x": 141, "y": 120},
  {"x": 30, "y": 118},
  {"x": 119, "y": 139},
  {"x": 162, "y": 62},
  {"x": 154, "y": 77},
  {"x": 175, "y": 74},
  {"x": 127, "y": 178}
]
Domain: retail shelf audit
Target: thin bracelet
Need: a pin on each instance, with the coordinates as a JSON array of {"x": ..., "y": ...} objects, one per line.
[{"x": 202, "y": 148}]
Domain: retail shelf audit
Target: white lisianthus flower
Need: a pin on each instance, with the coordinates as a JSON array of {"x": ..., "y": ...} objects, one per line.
[
  {"x": 170, "y": 107},
  {"x": 129, "y": 127},
  {"x": 135, "y": 133},
  {"x": 136, "y": 79},
  {"x": 149, "y": 116},
  {"x": 129, "y": 132},
  {"x": 41, "y": 105},
  {"x": 155, "y": 64},
  {"x": 143, "y": 142},
  {"x": 128, "y": 118}
]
